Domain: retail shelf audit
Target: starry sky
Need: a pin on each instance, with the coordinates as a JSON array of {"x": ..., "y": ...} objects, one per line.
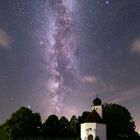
[{"x": 56, "y": 56}]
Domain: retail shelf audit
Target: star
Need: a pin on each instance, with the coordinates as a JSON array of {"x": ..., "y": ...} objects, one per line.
[
  {"x": 41, "y": 42},
  {"x": 107, "y": 2},
  {"x": 29, "y": 106}
]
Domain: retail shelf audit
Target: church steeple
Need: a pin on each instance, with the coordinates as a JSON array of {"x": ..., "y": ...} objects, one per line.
[{"x": 97, "y": 106}]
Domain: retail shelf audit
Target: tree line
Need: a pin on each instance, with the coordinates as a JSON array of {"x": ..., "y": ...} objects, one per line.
[{"x": 24, "y": 124}]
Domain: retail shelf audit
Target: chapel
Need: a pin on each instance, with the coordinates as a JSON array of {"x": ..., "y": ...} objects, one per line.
[{"x": 93, "y": 127}]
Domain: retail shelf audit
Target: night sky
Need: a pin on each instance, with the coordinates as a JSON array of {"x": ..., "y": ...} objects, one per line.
[{"x": 56, "y": 56}]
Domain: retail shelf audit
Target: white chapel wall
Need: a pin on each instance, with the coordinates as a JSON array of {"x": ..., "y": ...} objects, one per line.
[
  {"x": 96, "y": 129},
  {"x": 87, "y": 129}
]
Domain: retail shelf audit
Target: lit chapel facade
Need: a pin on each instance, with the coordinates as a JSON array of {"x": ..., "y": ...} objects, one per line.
[{"x": 94, "y": 127}]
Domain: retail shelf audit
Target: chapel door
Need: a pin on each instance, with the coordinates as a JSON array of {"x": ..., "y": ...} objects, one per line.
[{"x": 90, "y": 137}]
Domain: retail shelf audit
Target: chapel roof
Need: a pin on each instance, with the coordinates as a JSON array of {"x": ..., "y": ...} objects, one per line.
[{"x": 94, "y": 117}]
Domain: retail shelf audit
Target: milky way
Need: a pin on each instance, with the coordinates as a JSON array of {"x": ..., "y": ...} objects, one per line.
[{"x": 61, "y": 54}]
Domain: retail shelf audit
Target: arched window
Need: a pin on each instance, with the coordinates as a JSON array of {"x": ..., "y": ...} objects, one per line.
[{"x": 90, "y": 137}]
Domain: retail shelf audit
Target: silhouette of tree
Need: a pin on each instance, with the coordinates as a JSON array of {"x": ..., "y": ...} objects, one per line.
[
  {"x": 97, "y": 138},
  {"x": 23, "y": 124},
  {"x": 119, "y": 121},
  {"x": 3, "y": 134},
  {"x": 83, "y": 116},
  {"x": 51, "y": 126},
  {"x": 63, "y": 127},
  {"x": 73, "y": 126}
]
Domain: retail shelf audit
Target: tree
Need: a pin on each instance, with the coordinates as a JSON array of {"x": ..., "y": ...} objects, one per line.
[
  {"x": 3, "y": 134},
  {"x": 97, "y": 138},
  {"x": 50, "y": 127},
  {"x": 84, "y": 115},
  {"x": 119, "y": 122},
  {"x": 23, "y": 124},
  {"x": 63, "y": 127},
  {"x": 73, "y": 126}
]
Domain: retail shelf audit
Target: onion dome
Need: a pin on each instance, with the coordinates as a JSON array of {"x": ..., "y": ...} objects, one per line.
[{"x": 97, "y": 101}]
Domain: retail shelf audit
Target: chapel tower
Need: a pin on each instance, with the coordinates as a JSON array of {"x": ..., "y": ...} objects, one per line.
[{"x": 97, "y": 105}]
